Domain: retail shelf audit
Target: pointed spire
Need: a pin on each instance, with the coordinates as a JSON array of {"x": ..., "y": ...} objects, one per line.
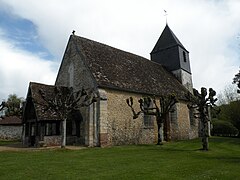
[{"x": 167, "y": 39}]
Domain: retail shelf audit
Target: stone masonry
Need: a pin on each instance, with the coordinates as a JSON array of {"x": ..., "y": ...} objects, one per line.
[{"x": 10, "y": 132}]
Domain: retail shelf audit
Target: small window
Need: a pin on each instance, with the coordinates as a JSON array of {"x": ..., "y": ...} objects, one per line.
[
  {"x": 191, "y": 117},
  {"x": 148, "y": 119},
  {"x": 52, "y": 129},
  {"x": 48, "y": 129},
  {"x": 173, "y": 116},
  {"x": 184, "y": 57}
]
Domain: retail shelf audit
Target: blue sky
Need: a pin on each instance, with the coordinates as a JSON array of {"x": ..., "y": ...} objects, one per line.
[
  {"x": 34, "y": 34},
  {"x": 22, "y": 32}
]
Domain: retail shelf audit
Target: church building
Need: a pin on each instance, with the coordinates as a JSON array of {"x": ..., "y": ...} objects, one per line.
[{"x": 115, "y": 75}]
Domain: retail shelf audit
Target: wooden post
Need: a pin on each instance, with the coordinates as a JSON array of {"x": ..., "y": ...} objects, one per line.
[{"x": 64, "y": 123}]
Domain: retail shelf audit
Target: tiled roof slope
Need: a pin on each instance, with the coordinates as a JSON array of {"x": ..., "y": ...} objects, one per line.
[
  {"x": 114, "y": 68},
  {"x": 166, "y": 40},
  {"x": 10, "y": 120},
  {"x": 40, "y": 104}
]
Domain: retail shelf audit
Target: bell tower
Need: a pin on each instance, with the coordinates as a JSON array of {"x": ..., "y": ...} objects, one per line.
[{"x": 169, "y": 52}]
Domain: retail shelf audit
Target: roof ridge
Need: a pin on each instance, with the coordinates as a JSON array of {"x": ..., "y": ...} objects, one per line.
[{"x": 145, "y": 59}]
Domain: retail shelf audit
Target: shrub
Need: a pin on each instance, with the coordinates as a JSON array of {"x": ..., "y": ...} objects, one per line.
[{"x": 223, "y": 128}]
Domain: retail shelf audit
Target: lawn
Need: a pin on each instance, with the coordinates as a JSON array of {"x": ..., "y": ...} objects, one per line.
[
  {"x": 175, "y": 160},
  {"x": 3, "y": 143}
]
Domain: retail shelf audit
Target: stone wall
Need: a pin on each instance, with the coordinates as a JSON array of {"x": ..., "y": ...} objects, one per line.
[
  {"x": 121, "y": 127},
  {"x": 183, "y": 128},
  {"x": 185, "y": 78},
  {"x": 73, "y": 72},
  {"x": 10, "y": 132},
  {"x": 52, "y": 140}
]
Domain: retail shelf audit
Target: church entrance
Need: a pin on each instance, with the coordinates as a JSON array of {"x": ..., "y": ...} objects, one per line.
[{"x": 73, "y": 129}]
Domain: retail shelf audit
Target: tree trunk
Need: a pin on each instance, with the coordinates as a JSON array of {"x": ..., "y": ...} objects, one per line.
[
  {"x": 167, "y": 135},
  {"x": 159, "y": 125},
  {"x": 205, "y": 143},
  {"x": 64, "y": 122},
  {"x": 205, "y": 135},
  {"x": 23, "y": 133}
]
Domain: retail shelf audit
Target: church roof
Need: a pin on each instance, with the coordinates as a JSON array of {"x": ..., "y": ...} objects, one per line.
[
  {"x": 117, "y": 69},
  {"x": 166, "y": 40}
]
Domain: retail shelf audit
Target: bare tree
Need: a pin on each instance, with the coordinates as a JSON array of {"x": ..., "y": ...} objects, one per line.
[
  {"x": 65, "y": 101},
  {"x": 227, "y": 95},
  {"x": 236, "y": 80},
  {"x": 149, "y": 106},
  {"x": 202, "y": 103}
]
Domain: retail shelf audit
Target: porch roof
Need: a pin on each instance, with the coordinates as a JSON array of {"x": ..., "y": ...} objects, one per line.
[{"x": 40, "y": 104}]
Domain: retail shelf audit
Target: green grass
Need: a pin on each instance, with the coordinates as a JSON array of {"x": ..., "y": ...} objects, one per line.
[
  {"x": 5, "y": 142},
  {"x": 176, "y": 160}
]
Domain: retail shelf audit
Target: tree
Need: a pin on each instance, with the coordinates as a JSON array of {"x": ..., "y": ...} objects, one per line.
[
  {"x": 12, "y": 105},
  {"x": 202, "y": 103},
  {"x": 227, "y": 95},
  {"x": 236, "y": 80},
  {"x": 2, "y": 105},
  {"x": 148, "y": 106},
  {"x": 231, "y": 113},
  {"x": 65, "y": 101}
]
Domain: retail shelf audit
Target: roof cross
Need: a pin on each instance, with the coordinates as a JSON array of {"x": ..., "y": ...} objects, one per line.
[{"x": 165, "y": 14}]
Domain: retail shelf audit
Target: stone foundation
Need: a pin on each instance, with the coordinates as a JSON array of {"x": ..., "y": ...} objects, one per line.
[{"x": 52, "y": 140}]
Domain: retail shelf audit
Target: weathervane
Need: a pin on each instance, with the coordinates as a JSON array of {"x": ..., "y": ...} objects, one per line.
[{"x": 165, "y": 14}]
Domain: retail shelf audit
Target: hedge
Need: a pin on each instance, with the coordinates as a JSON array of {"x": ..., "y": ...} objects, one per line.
[{"x": 223, "y": 128}]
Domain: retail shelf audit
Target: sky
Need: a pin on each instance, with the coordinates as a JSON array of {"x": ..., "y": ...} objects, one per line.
[{"x": 34, "y": 35}]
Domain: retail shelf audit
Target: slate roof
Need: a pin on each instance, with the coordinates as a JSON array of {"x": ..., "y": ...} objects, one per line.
[
  {"x": 10, "y": 120},
  {"x": 166, "y": 40},
  {"x": 39, "y": 103},
  {"x": 117, "y": 69}
]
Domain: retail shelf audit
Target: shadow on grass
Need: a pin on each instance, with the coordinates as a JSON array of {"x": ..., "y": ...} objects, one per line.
[
  {"x": 173, "y": 149},
  {"x": 227, "y": 159},
  {"x": 218, "y": 139}
]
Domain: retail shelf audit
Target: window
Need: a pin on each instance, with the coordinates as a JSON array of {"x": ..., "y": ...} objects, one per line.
[
  {"x": 48, "y": 129},
  {"x": 148, "y": 119},
  {"x": 173, "y": 116},
  {"x": 184, "y": 56},
  {"x": 52, "y": 128},
  {"x": 71, "y": 75},
  {"x": 191, "y": 117}
]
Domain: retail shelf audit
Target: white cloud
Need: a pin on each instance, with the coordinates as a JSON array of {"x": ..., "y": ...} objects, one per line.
[
  {"x": 206, "y": 28},
  {"x": 19, "y": 67}
]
